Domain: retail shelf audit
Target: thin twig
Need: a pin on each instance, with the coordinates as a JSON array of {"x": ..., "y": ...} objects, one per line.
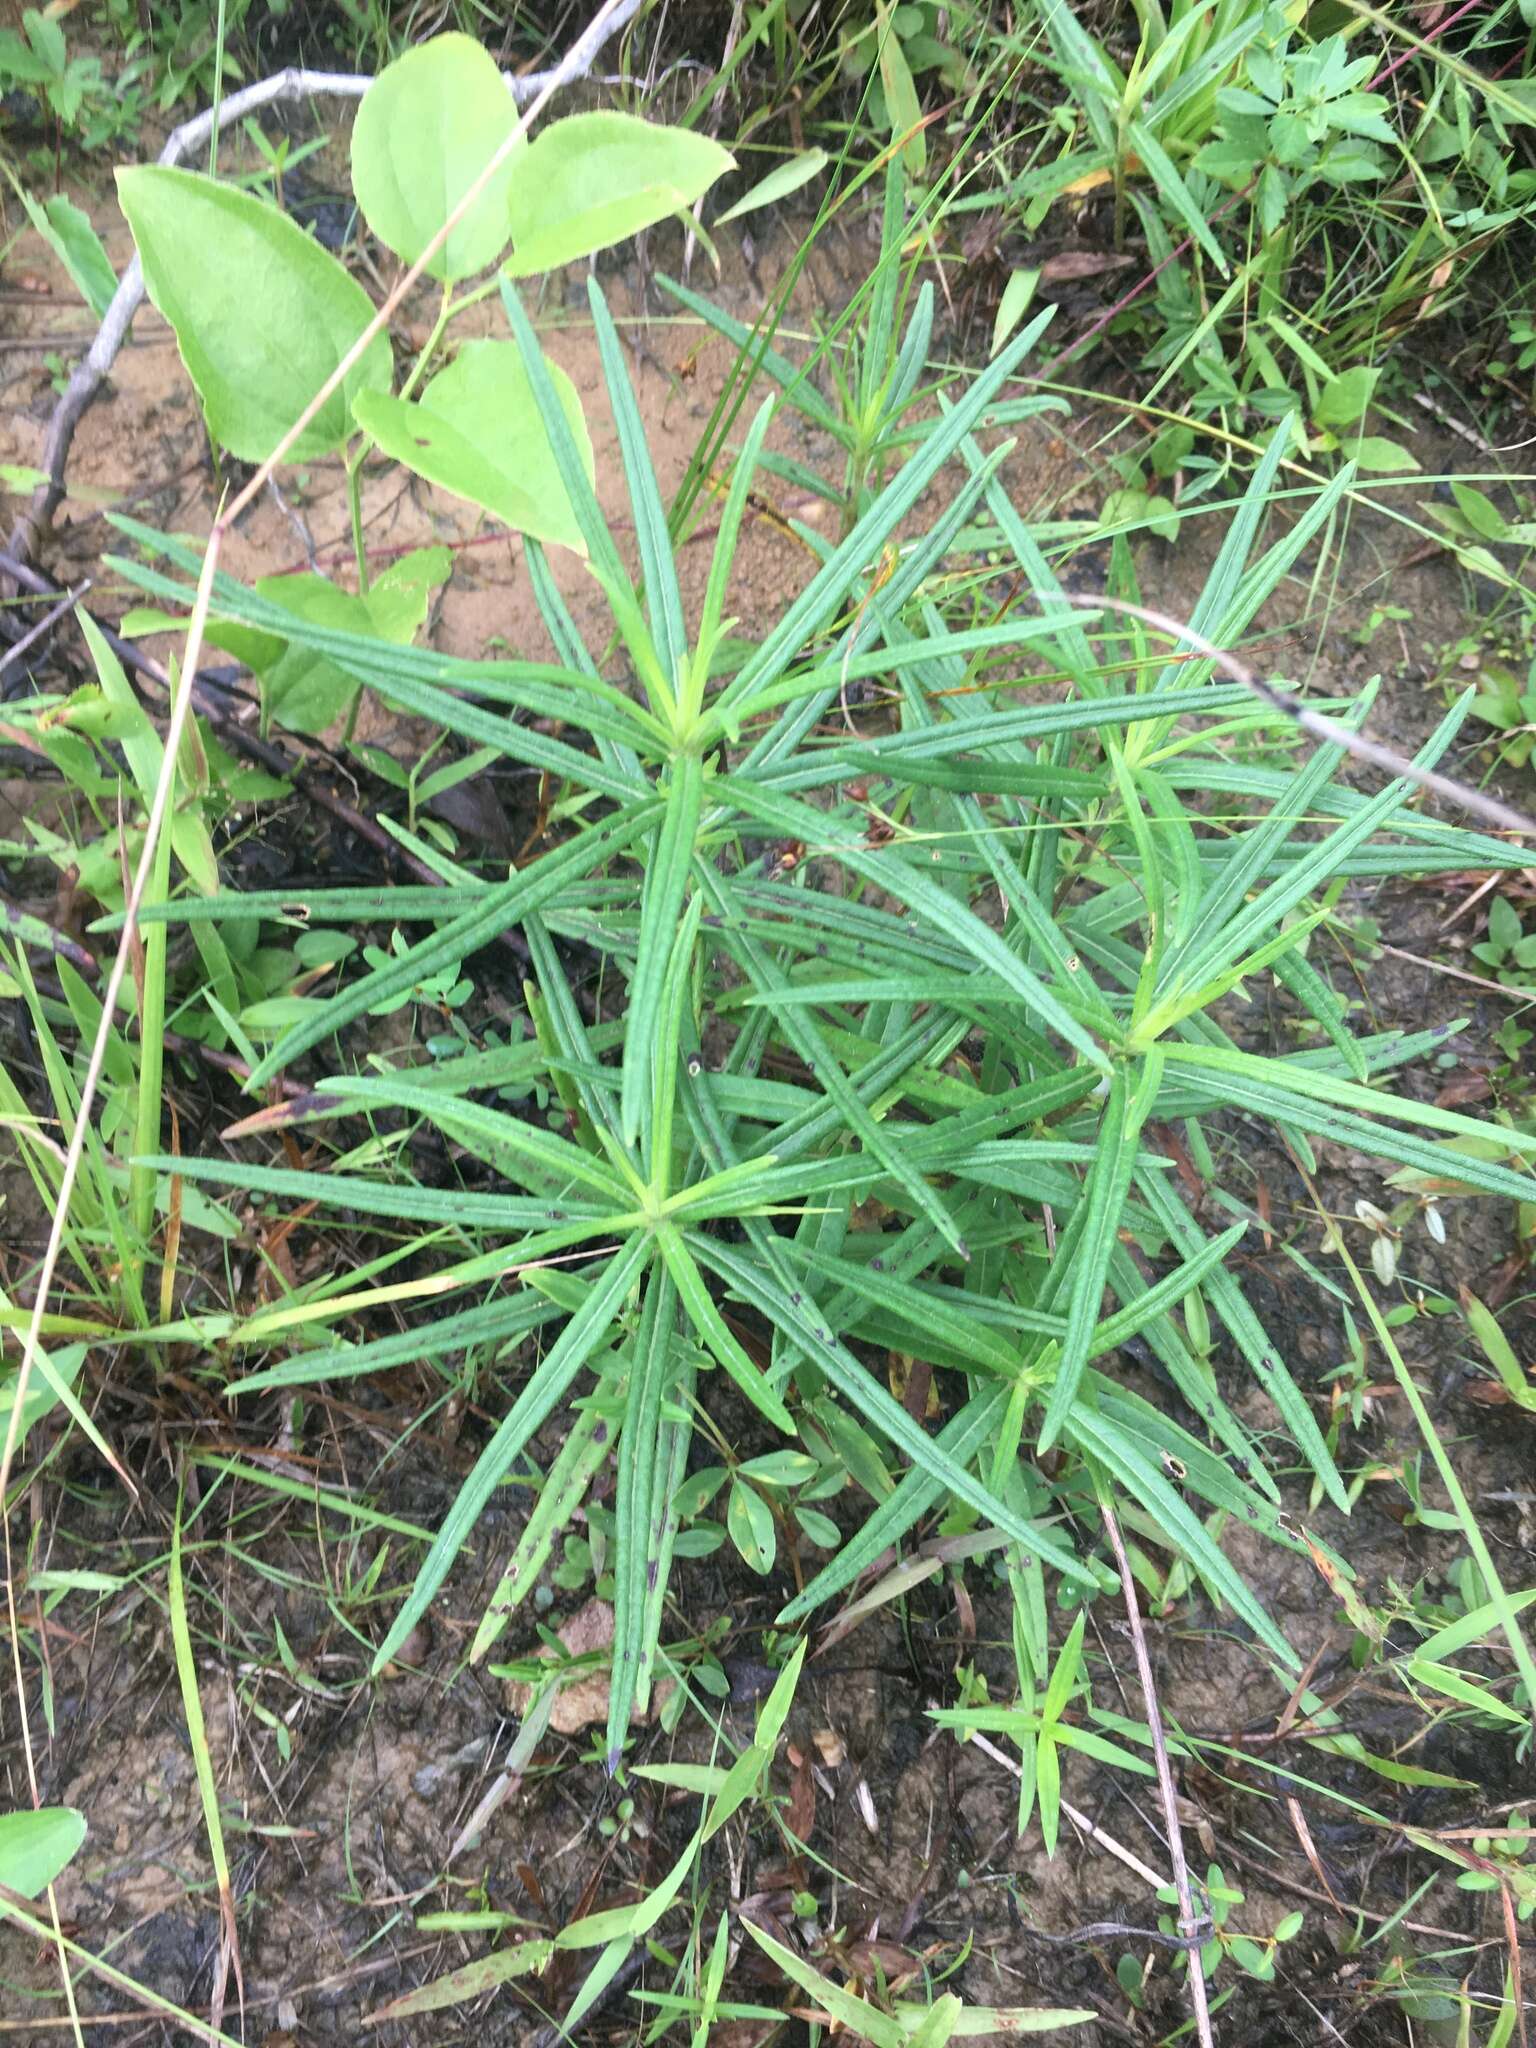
[
  {"x": 1190, "y": 1922},
  {"x": 1080, "y": 1820},
  {"x": 28, "y": 639},
  {"x": 209, "y": 702},
  {"x": 1315, "y": 722}
]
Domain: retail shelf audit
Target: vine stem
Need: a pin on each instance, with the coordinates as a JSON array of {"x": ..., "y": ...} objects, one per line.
[{"x": 355, "y": 506}]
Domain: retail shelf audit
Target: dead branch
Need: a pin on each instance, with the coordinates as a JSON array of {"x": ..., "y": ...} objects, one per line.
[{"x": 1319, "y": 726}]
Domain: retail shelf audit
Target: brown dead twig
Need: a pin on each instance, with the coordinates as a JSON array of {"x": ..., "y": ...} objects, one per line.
[
  {"x": 1316, "y": 723},
  {"x": 1191, "y": 1923}
]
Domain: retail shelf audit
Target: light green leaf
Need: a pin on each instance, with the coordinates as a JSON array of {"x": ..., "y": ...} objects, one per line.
[
  {"x": 142, "y": 750},
  {"x": 1344, "y": 398},
  {"x": 477, "y": 432},
  {"x": 902, "y": 105},
  {"x": 653, "y": 1367},
  {"x": 1018, "y": 293},
  {"x": 306, "y": 690},
  {"x": 629, "y": 1923},
  {"x": 703, "y": 1779},
  {"x": 69, "y": 234},
  {"x": 556, "y": 1370},
  {"x": 36, "y": 1845},
  {"x": 978, "y": 2022},
  {"x": 774, "y": 1711},
  {"x": 1498, "y": 1351},
  {"x": 749, "y": 1519},
  {"x": 1374, "y": 452},
  {"x": 472, "y": 1980},
  {"x": 428, "y": 126},
  {"x": 936, "y": 2025},
  {"x": 262, "y": 314},
  {"x": 1174, "y": 193},
  {"x": 592, "y": 180},
  {"x": 1126, "y": 1109},
  {"x": 1444, "y": 1678},
  {"x": 740, "y": 1782},
  {"x": 856, "y": 2015},
  {"x": 779, "y": 183},
  {"x": 661, "y": 908},
  {"x": 1480, "y": 512}
]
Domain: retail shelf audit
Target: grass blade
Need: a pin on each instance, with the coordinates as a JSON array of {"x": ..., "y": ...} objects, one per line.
[{"x": 1129, "y": 1103}]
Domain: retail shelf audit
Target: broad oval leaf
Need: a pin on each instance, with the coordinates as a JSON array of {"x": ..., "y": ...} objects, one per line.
[
  {"x": 478, "y": 432},
  {"x": 428, "y": 126},
  {"x": 750, "y": 1521},
  {"x": 307, "y": 691},
  {"x": 262, "y": 314},
  {"x": 592, "y": 180},
  {"x": 36, "y": 1844}
]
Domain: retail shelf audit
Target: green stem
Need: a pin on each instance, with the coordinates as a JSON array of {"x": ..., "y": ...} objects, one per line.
[
  {"x": 218, "y": 92},
  {"x": 445, "y": 313},
  {"x": 355, "y": 501},
  {"x": 147, "y": 1109}
]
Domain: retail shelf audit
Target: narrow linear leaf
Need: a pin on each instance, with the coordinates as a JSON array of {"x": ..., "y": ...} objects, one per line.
[{"x": 551, "y": 1377}]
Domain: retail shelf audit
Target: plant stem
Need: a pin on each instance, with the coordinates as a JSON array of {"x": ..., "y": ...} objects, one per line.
[
  {"x": 355, "y": 502},
  {"x": 445, "y": 313},
  {"x": 218, "y": 94},
  {"x": 147, "y": 1110}
]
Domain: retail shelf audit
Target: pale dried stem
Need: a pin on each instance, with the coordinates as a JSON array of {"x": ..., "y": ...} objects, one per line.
[{"x": 1190, "y": 1922}]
